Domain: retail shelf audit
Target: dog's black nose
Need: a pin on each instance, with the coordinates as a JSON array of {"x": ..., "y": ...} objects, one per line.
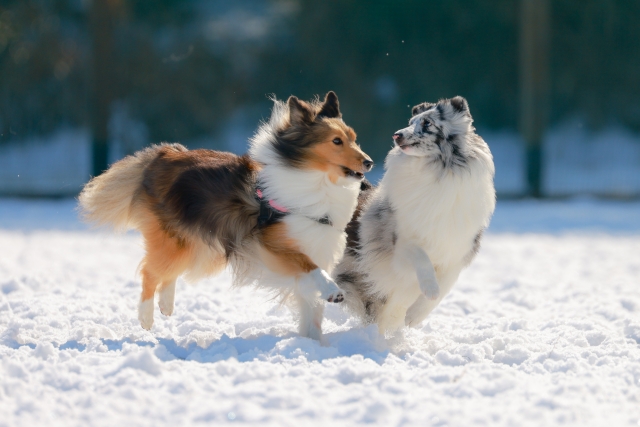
[
  {"x": 397, "y": 137},
  {"x": 368, "y": 164}
]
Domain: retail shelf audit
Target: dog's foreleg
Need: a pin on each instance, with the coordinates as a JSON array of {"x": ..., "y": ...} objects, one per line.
[
  {"x": 283, "y": 256},
  {"x": 425, "y": 272},
  {"x": 311, "y": 311},
  {"x": 166, "y": 297}
]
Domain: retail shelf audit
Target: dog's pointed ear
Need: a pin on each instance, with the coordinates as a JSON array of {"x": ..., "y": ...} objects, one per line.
[
  {"x": 460, "y": 105},
  {"x": 421, "y": 108},
  {"x": 299, "y": 111},
  {"x": 331, "y": 106}
]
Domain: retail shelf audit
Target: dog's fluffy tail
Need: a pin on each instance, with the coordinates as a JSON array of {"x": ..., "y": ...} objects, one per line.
[{"x": 107, "y": 200}]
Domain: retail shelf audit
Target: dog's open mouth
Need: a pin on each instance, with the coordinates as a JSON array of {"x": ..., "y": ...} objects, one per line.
[
  {"x": 352, "y": 173},
  {"x": 402, "y": 146}
]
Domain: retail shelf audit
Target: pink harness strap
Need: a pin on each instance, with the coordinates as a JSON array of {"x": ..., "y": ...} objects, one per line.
[
  {"x": 277, "y": 207},
  {"x": 271, "y": 211},
  {"x": 273, "y": 203}
]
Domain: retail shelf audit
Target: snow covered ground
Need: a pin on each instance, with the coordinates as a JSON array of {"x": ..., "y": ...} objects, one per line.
[{"x": 543, "y": 329}]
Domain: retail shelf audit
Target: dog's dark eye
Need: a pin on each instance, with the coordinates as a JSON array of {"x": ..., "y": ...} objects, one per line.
[
  {"x": 425, "y": 125},
  {"x": 337, "y": 141}
]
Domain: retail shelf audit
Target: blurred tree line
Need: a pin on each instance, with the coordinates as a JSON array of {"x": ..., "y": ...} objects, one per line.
[{"x": 183, "y": 67}]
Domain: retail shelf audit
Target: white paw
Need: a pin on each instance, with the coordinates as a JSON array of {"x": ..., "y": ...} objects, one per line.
[
  {"x": 411, "y": 321},
  {"x": 428, "y": 285},
  {"x": 417, "y": 312},
  {"x": 166, "y": 307},
  {"x": 431, "y": 291},
  {"x": 329, "y": 291},
  {"x": 145, "y": 314},
  {"x": 335, "y": 297}
]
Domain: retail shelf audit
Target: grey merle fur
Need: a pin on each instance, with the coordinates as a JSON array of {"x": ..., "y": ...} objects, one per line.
[
  {"x": 452, "y": 152},
  {"x": 354, "y": 283}
]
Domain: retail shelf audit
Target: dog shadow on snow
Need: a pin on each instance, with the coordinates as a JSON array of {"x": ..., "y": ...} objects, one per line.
[
  {"x": 364, "y": 341},
  {"x": 356, "y": 340}
]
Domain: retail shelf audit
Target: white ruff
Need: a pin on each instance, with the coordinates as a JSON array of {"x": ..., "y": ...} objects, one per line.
[
  {"x": 307, "y": 194},
  {"x": 441, "y": 211}
]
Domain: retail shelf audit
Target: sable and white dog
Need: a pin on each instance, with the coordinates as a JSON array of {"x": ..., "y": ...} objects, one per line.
[
  {"x": 277, "y": 215},
  {"x": 412, "y": 235}
]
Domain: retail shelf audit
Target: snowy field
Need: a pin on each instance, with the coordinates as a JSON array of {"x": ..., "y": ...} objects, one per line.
[{"x": 543, "y": 329}]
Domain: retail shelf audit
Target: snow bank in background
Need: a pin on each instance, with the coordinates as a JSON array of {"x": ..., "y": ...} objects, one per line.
[
  {"x": 508, "y": 156},
  {"x": 543, "y": 329},
  {"x": 606, "y": 162},
  {"x": 57, "y": 165},
  {"x": 576, "y": 161}
]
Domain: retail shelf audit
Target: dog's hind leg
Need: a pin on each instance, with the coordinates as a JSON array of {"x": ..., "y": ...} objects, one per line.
[
  {"x": 423, "y": 306},
  {"x": 166, "y": 297},
  {"x": 167, "y": 258},
  {"x": 145, "y": 308},
  {"x": 418, "y": 311},
  {"x": 391, "y": 317}
]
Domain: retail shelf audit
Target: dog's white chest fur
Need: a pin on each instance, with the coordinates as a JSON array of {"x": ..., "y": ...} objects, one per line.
[
  {"x": 309, "y": 196},
  {"x": 419, "y": 205},
  {"x": 441, "y": 211}
]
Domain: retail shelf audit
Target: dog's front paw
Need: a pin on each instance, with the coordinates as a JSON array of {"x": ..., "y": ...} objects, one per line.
[
  {"x": 336, "y": 297},
  {"x": 145, "y": 314},
  {"x": 431, "y": 292},
  {"x": 428, "y": 286},
  {"x": 329, "y": 291}
]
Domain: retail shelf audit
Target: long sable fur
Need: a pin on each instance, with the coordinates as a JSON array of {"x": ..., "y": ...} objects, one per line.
[{"x": 197, "y": 210}]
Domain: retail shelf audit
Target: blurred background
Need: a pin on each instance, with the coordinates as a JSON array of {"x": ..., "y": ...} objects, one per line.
[{"x": 553, "y": 86}]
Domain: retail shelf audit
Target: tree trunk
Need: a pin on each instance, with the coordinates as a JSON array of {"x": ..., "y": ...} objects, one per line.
[
  {"x": 534, "y": 85},
  {"x": 101, "y": 22}
]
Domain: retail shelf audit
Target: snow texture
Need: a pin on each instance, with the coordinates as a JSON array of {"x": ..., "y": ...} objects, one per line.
[{"x": 542, "y": 329}]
